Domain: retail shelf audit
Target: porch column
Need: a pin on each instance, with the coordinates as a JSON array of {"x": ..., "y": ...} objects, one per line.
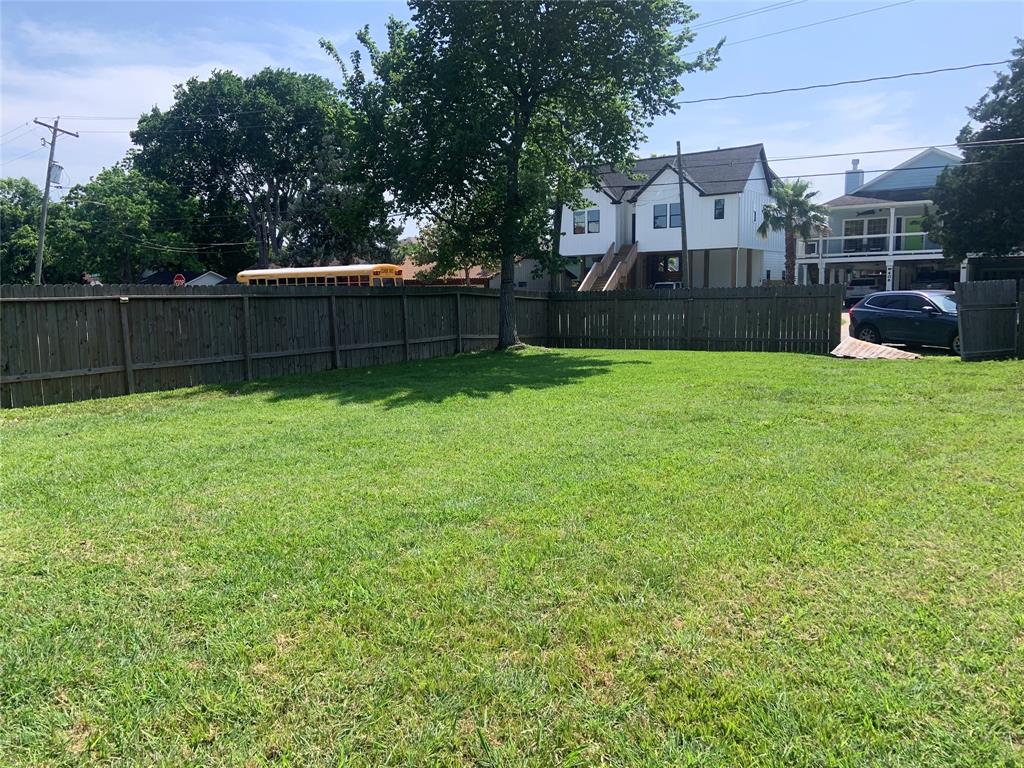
[
  {"x": 889, "y": 269},
  {"x": 750, "y": 267},
  {"x": 822, "y": 273},
  {"x": 892, "y": 230},
  {"x": 735, "y": 266}
]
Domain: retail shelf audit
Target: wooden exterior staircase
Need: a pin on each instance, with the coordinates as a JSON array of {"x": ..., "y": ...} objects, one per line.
[
  {"x": 611, "y": 272},
  {"x": 597, "y": 272}
]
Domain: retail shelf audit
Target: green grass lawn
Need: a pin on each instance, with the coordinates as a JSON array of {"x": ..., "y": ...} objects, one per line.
[{"x": 546, "y": 558}]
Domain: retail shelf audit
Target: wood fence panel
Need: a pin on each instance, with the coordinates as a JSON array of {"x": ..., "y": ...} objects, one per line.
[
  {"x": 987, "y": 315},
  {"x": 1020, "y": 325},
  {"x": 63, "y": 343}
]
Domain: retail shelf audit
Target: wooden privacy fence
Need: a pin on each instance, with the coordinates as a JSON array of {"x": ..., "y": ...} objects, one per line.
[
  {"x": 988, "y": 317},
  {"x": 771, "y": 319},
  {"x": 63, "y": 343}
]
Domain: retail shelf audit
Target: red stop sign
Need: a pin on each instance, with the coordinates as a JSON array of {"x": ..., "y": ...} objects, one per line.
[{"x": 179, "y": 279}]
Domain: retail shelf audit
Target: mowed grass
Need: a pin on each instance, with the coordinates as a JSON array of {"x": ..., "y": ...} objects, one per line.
[{"x": 548, "y": 558}]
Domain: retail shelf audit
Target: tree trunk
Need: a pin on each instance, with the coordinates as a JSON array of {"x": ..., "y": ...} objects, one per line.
[
  {"x": 507, "y": 333},
  {"x": 790, "y": 257}
]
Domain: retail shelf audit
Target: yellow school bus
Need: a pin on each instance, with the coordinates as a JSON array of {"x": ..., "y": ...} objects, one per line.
[{"x": 358, "y": 275}]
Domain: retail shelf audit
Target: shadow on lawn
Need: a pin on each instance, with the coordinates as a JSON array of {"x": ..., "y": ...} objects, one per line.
[{"x": 477, "y": 375}]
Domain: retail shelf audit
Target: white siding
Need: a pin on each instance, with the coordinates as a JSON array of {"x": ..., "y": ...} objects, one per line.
[
  {"x": 702, "y": 229},
  {"x": 590, "y": 244},
  {"x": 755, "y": 196}
]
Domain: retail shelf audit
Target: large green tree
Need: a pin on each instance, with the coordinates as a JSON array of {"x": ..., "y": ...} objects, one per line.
[
  {"x": 472, "y": 99},
  {"x": 118, "y": 224},
  {"x": 261, "y": 143},
  {"x": 793, "y": 212},
  {"x": 979, "y": 205},
  {"x": 20, "y": 202}
]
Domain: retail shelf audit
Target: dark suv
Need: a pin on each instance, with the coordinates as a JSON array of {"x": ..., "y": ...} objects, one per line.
[{"x": 907, "y": 317}]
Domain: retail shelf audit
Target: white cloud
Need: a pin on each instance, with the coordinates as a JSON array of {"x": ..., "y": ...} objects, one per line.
[{"x": 122, "y": 75}]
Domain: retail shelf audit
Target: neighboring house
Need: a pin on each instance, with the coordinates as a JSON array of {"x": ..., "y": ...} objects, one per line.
[
  {"x": 877, "y": 229},
  {"x": 166, "y": 277},
  {"x": 725, "y": 192},
  {"x": 416, "y": 274}
]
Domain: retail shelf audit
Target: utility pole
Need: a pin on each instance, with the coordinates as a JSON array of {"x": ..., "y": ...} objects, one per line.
[
  {"x": 685, "y": 267},
  {"x": 46, "y": 193}
]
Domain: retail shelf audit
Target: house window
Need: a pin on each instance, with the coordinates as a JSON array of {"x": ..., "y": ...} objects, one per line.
[
  {"x": 579, "y": 222},
  {"x": 673, "y": 215},
  {"x": 660, "y": 216},
  {"x": 720, "y": 208},
  {"x": 594, "y": 220}
]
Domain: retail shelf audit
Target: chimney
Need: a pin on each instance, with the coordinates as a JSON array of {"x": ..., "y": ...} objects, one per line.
[{"x": 854, "y": 177}]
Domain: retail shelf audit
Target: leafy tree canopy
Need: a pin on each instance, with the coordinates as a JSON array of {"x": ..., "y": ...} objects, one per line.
[
  {"x": 117, "y": 225},
  {"x": 471, "y": 100},
  {"x": 262, "y": 143},
  {"x": 980, "y": 204},
  {"x": 20, "y": 202}
]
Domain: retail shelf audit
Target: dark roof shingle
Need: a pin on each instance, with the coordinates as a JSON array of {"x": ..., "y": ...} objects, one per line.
[{"x": 714, "y": 172}]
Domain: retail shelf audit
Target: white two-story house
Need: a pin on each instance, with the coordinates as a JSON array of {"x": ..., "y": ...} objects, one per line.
[
  {"x": 631, "y": 228},
  {"x": 877, "y": 229}
]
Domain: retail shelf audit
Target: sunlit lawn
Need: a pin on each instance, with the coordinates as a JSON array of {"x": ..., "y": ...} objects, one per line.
[{"x": 587, "y": 558}]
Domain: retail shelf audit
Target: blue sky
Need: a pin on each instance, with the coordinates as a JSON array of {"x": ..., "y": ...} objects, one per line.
[{"x": 118, "y": 59}]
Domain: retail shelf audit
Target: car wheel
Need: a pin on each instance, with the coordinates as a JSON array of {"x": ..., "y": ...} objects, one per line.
[
  {"x": 955, "y": 345},
  {"x": 869, "y": 334}
]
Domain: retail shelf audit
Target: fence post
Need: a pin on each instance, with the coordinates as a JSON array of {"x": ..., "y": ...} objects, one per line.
[
  {"x": 334, "y": 332},
  {"x": 458, "y": 322},
  {"x": 774, "y": 318},
  {"x": 405, "y": 325},
  {"x": 246, "y": 336},
  {"x": 688, "y": 318},
  {"x": 126, "y": 341},
  {"x": 835, "y": 317}
]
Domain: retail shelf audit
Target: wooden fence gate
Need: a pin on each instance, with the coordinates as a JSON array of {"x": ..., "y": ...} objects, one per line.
[{"x": 988, "y": 319}]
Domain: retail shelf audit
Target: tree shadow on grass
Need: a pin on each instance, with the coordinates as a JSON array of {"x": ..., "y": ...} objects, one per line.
[{"x": 476, "y": 375}]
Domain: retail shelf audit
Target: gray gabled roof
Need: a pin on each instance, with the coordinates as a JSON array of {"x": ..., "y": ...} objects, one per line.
[
  {"x": 883, "y": 197},
  {"x": 714, "y": 172}
]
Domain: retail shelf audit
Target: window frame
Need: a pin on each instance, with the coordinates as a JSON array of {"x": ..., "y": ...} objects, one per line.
[
  {"x": 579, "y": 222},
  {"x": 719, "y": 212},
  {"x": 674, "y": 216},
  {"x": 593, "y": 221},
  {"x": 660, "y": 212}
]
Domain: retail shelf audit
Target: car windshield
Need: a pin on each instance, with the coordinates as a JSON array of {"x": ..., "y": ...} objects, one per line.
[{"x": 944, "y": 301}]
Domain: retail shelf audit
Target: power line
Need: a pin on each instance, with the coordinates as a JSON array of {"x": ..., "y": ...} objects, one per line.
[
  {"x": 199, "y": 129},
  {"x": 22, "y": 157},
  {"x": 1015, "y": 141},
  {"x": 18, "y": 137},
  {"x": 818, "y": 23},
  {"x": 746, "y": 14},
  {"x": 144, "y": 114},
  {"x": 815, "y": 175},
  {"x": 847, "y": 82},
  {"x": 12, "y": 130}
]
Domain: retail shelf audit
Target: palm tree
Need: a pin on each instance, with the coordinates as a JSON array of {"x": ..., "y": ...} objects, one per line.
[{"x": 793, "y": 211}]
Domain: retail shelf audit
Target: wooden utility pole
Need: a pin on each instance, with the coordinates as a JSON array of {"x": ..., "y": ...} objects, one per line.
[
  {"x": 685, "y": 268},
  {"x": 46, "y": 193}
]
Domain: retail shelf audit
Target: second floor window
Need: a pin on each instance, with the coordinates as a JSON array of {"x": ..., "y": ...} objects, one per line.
[
  {"x": 586, "y": 221},
  {"x": 720, "y": 208},
  {"x": 666, "y": 215}
]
